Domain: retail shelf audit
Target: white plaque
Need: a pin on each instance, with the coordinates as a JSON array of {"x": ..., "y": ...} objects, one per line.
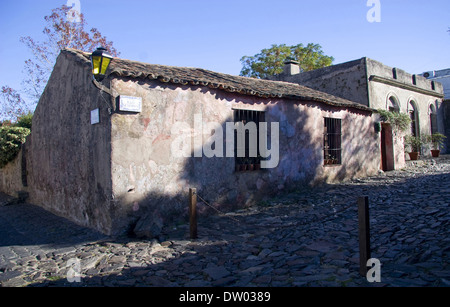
[
  {"x": 130, "y": 104},
  {"x": 95, "y": 116}
]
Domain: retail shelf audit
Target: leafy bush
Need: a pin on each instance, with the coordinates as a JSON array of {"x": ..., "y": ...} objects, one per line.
[
  {"x": 11, "y": 139},
  {"x": 399, "y": 121},
  {"x": 414, "y": 142},
  {"x": 436, "y": 139},
  {"x": 24, "y": 121}
]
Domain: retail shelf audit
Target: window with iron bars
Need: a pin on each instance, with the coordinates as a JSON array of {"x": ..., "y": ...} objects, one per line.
[
  {"x": 251, "y": 160},
  {"x": 332, "y": 151}
]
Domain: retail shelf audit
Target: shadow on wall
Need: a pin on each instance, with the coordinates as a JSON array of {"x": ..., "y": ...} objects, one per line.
[
  {"x": 216, "y": 179},
  {"x": 362, "y": 151}
]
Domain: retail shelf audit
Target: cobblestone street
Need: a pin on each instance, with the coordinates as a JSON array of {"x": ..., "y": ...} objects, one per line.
[{"x": 306, "y": 237}]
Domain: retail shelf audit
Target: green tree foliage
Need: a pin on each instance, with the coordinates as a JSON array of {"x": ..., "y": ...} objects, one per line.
[
  {"x": 24, "y": 121},
  {"x": 12, "y": 136},
  {"x": 400, "y": 122},
  {"x": 11, "y": 139},
  {"x": 270, "y": 61}
]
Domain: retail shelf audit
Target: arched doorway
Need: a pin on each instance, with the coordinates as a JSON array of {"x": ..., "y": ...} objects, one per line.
[{"x": 387, "y": 140}]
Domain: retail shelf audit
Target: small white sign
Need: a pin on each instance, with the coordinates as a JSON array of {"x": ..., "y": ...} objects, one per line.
[
  {"x": 95, "y": 116},
  {"x": 130, "y": 104}
]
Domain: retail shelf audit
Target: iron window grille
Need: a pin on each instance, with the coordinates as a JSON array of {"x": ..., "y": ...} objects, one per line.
[
  {"x": 332, "y": 151},
  {"x": 250, "y": 161}
]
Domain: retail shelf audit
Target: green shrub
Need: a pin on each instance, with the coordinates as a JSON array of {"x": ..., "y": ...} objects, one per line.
[
  {"x": 414, "y": 142},
  {"x": 436, "y": 140},
  {"x": 24, "y": 121},
  {"x": 400, "y": 122},
  {"x": 11, "y": 139}
]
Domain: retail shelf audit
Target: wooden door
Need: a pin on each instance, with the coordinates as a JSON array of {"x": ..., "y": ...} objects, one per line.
[{"x": 387, "y": 148}]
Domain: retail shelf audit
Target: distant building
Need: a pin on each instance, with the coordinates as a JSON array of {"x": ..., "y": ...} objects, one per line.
[
  {"x": 378, "y": 86},
  {"x": 443, "y": 77}
]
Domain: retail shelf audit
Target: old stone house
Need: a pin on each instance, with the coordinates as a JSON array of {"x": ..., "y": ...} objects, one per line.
[
  {"x": 378, "y": 86},
  {"x": 115, "y": 162}
]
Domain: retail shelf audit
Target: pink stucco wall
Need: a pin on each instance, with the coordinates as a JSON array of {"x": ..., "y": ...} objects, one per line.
[
  {"x": 124, "y": 170},
  {"x": 148, "y": 177}
]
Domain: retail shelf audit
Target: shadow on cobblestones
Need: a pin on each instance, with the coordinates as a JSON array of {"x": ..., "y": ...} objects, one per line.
[
  {"x": 25, "y": 224},
  {"x": 307, "y": 237}
]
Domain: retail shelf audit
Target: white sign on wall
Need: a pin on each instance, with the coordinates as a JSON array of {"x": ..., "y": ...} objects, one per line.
[
  {"x": 95, "y": 116},
  {"x": 130, "y": 104}
]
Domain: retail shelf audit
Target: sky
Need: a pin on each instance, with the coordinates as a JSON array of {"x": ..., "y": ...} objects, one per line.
[{"x": 215, "y": 34}]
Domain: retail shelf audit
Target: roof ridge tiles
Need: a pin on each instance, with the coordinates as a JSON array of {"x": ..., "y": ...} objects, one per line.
[{"x": 226, "y": 82}]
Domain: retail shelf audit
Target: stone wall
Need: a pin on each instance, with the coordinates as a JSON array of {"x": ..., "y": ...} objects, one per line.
[
  {"x": 68, "y": 160},
  {"x": 347, "y": 80},
  {"x": 372, "y": 83},
  {"x": 11, "y": 181}
]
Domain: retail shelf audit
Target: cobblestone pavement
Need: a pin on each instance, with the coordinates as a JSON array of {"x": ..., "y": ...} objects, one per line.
[{"x": 304, "y": 238}]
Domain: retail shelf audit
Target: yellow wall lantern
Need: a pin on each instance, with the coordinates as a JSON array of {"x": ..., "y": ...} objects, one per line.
[{"x": 100, "y": 60}]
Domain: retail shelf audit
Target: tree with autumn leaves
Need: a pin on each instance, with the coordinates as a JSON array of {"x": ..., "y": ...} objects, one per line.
[{"x": 60, "y": 32}]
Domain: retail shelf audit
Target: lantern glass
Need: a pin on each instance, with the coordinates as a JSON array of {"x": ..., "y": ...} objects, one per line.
[
  {"x": 100, "y": 62},
  {"x": 105, "y": 65},
  {"x": 96, "y": 64}
]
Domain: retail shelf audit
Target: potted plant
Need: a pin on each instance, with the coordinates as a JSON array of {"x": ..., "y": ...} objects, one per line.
[
  {"x": 400, "y": 122},
  {"x": 415, "y": 143},
  {"x": 436, "y": 140}
]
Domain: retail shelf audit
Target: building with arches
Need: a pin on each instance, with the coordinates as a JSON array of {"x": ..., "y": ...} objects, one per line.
[
  {"x": 378, "y": 86},
  {"x": 442, "y": 76}
]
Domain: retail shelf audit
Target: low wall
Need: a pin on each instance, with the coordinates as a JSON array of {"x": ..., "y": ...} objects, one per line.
[{"x": 11, "y": 179}]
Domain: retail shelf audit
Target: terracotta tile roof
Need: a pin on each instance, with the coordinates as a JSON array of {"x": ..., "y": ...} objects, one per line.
[{"x": 229, "y": 83}]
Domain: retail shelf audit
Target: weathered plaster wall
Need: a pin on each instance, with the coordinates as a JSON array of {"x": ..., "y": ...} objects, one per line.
[
  {"x": 69, "y": 159},
  {"x": 347, "y": 80},
  {"x": 380, "y": 93},
  {"x": 152, "y": 183},
  {"x": 379, "y": 69},
  {"x": 11, "y": 176}
]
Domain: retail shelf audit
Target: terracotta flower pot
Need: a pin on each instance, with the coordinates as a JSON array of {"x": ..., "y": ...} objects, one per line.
[
  {"x": 413, "y": 155},
  {"x": 435, "y": 153}
]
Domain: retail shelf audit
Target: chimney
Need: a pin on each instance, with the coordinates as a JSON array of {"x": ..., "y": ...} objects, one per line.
[{"x": 291, "y": 67}]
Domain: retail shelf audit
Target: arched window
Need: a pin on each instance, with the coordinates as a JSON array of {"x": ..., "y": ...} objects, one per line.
[
  {"x": 413, "y": 114},
  {"x": 433, "y": 119},
  {"x": 393, "y": 105}
]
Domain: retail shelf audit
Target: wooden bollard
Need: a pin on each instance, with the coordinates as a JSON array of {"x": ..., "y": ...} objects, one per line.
[
  {"x": 364, "y": 234},
  {"x": 193, "y": 213}
]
